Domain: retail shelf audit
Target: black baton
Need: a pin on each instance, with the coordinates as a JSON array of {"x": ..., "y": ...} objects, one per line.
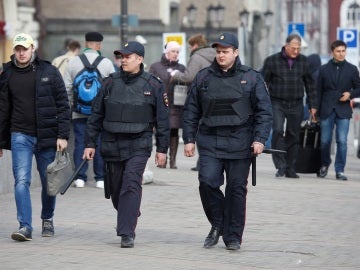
[
  {"x": 72, "y": 177},
  {"x": 253, "y": 162},
  {"x": 253, "y": 170}
]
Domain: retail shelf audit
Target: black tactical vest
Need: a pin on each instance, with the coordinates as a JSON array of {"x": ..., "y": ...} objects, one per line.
[
  {"x": 224, "y": 102},
  {"x": 129, "y": 107}
]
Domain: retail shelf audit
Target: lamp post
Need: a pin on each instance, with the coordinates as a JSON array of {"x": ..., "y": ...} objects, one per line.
[
  {"x": 191, "y": 14},
  {"x": 268, "y": 15},
  {"x": 214, "y": 16},
  {"x": 244, "y": 22},
  {"x": 353, "y": 13},
  {"x": 259, "y": 22}
]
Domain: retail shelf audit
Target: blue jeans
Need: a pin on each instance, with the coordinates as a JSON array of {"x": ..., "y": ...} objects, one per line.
[
  {"x": 79, "y": 126},
  {"x": 23, "y": 147},
  {"x": 341, "y": 133}
]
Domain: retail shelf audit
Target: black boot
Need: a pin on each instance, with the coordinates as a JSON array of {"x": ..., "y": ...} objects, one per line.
[
  {"x": 212, "y": 238},
  {"x": 174, "y": 143}
]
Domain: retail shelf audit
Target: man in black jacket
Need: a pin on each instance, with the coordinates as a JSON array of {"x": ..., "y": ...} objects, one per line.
[
  {"x": 130, "y": 104},
  {"x": 34, "y": 120},
  {"x": 228, "y": 114},
  {"x": 338, "y": 83},
  {"x": 287, "y": 74}
]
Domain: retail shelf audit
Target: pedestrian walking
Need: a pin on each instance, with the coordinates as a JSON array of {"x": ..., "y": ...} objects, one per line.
[
  {"x": 201, "y": 56},
  {"x": 338, "y": 83},
  {"x": 287, "y": 74},
  {"x": 228, "y": 114},
  {"x": 168, "y": 64},
  {"x": 129, "y": 106},
  {"x": 73, "y": 49},
  {"x": 34, "y": 121},
  {"x": 93, "y": 43}
]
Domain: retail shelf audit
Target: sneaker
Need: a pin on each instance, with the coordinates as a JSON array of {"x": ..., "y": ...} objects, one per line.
[
  {"x": 100, "y": 184},
  {"x": 79, "y": 183},
  {"x": 23, "y": 234},
  {"x": 280, "y": 173},
  {"x": 323, "y": 171},
  {"x": 47, "y": 228},
  {"x": 341, "y": 176}
]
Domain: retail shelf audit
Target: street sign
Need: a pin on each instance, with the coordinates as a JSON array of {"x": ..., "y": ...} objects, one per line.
[
  {"x": 132, "y": 20},
  {"x": 179, "y": 38},
  {"x": 296, "y": 28},
  {"x": 351, "y": 37}
]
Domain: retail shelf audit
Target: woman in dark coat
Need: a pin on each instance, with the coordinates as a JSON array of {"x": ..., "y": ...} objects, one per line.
[{"x": 162, "y": 69}]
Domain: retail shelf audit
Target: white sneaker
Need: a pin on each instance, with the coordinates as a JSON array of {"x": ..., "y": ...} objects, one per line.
[
  {"x": 100, "y": 184},
  {"x": 79, "y": 183}
]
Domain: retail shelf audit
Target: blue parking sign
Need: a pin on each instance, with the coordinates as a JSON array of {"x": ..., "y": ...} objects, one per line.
[{"x": 349, "y": 36}]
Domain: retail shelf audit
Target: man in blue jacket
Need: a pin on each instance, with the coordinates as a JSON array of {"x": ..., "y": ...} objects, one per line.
[
  {"x": 338, "y": 83},
  {"x": 228, "y": 114},
  {"x": 34, "y": 120}
]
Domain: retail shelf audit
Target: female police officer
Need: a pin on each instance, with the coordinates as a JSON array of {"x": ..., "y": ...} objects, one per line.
[{"x": 228, "y": 114}]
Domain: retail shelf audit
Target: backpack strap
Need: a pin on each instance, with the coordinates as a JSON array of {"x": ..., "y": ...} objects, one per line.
[{"x": 86, "y": 62}]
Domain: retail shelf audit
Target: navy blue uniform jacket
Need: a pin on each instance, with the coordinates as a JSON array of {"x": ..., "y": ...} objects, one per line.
[{"x": 228, "y": 142}]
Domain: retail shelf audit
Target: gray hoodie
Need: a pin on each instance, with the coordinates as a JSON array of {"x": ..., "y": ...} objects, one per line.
[{"x": 199, "y": 59}]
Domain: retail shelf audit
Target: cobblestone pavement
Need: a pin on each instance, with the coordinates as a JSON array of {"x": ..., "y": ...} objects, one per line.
[{"x": 306, "y": 223}]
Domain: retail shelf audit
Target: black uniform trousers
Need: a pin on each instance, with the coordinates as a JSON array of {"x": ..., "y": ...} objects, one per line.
[
  {"x": 126, "y": 191},
  {"x": 293, "y": 112},
  {"x": 225, "y": 211}
]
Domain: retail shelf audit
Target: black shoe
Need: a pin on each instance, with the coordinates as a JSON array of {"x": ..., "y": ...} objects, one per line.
[
  {"x": 233, "y": 245},
  {"x": 212, "y": 238},
  {"x": 323, "y": 171},
  {"x": 47, "y": 228},
  {"x": 291, "y": 175},
  {"x": 280, "y": 173},
  {"x": 23, "y": 234},
  {"x": 341, "y": 176},
  {"x": 195, "y": 169},
  {"x": 127, "y": 241}
]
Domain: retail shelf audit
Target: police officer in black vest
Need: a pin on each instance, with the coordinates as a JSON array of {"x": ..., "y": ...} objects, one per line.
[
  {"x": 228, "y": 114},
  {"x": 129, "y": 106}
]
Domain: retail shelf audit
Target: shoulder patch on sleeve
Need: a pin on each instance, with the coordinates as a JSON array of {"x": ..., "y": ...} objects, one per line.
[{"x": 166, "y": 100}]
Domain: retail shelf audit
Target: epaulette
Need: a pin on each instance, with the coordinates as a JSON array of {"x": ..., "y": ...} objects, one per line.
[{"x": 156, "y": 77}]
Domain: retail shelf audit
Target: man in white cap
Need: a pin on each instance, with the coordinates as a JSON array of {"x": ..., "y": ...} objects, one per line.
[{"x": 34, "y": 120}]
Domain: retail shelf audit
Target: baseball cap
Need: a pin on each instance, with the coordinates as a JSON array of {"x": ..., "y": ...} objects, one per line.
[
  {"x": 23, "y": 40},
  {"x": 131, "y": 47},
  {"x": 226, "y": 40},
  {"x": 94, "y": 36}
]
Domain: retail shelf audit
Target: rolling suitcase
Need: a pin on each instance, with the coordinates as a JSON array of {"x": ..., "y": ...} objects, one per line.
[{"x": 309, "y": 158}]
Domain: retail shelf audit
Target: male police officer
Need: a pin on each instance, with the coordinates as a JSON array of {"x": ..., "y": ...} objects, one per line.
[
  {"x": 228, "y": 114},
  {"x": 129, "y": 105}
]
